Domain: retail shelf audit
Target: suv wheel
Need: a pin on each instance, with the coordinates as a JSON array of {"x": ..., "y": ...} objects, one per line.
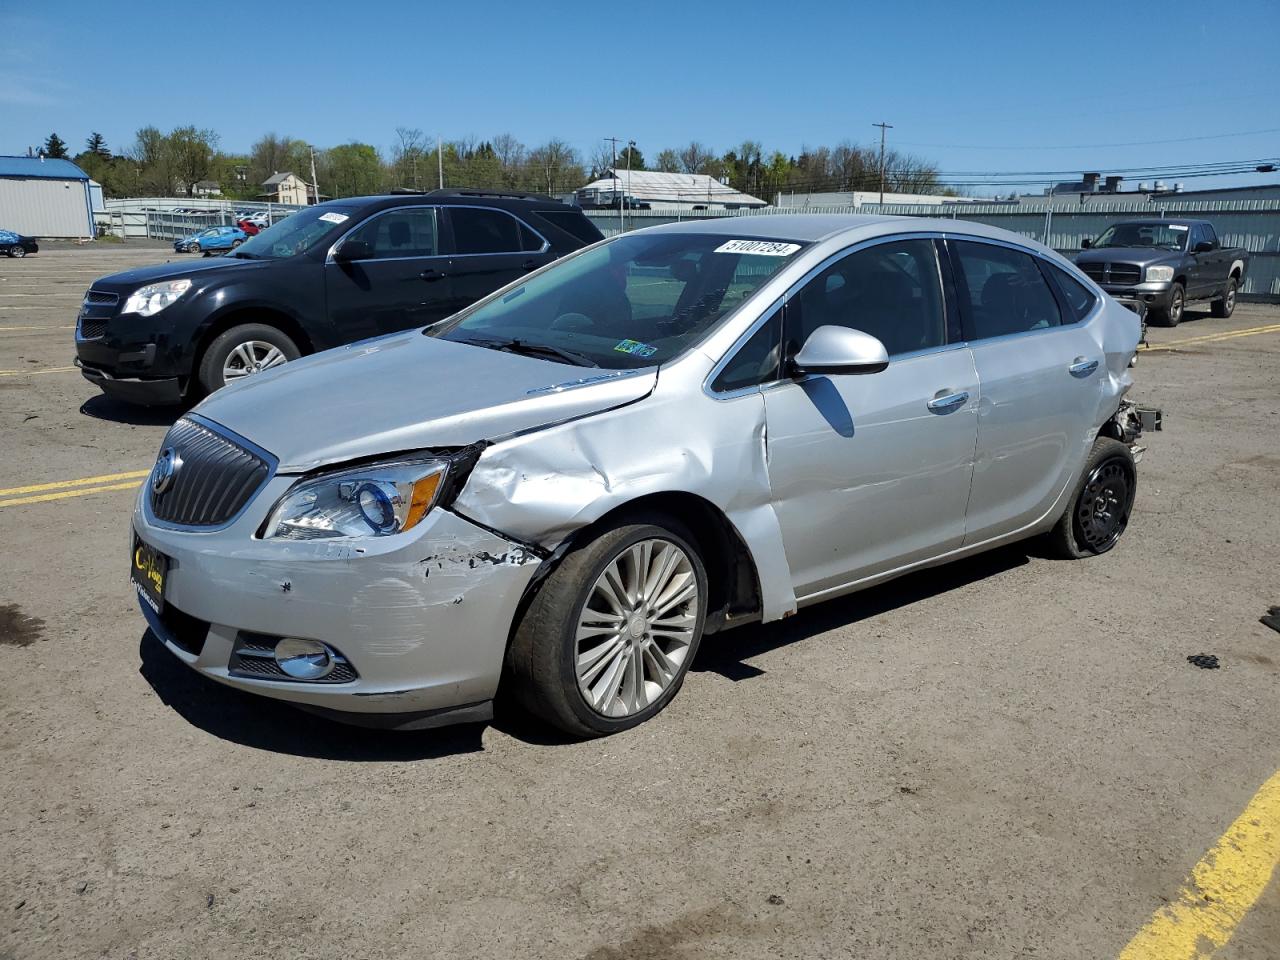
[
  {"x": 608, "y": 638},
  {"x": 243, "y": 351},
  {"x": 1099, "y": 511},
  {"x": 1226, "y": 304}
]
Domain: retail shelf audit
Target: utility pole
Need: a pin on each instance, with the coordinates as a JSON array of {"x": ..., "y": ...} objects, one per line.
[
  {"x": 631, "y": 149},
  {"x": 613, "y": 171},
  {"x": 883, "y": 127},
  {"x": 440, "y": 159},
  {"x": 314, "y": 184}
]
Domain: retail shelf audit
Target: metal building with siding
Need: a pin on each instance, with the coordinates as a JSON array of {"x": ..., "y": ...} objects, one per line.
[{"x": 40, "y": 197}]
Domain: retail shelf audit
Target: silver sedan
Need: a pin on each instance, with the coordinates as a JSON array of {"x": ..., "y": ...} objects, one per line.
[{"x": 556, "y": 493}]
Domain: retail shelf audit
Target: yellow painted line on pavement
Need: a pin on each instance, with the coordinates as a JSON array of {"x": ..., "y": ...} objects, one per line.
[
  {"x": 1221, "y": 889},
  {"x": 65, "y": 494},
  {"x": 32, "y": 373},
  {"x": 1213, "y": 337},
  {"x": 69, "y": 326},
  {"x": 82, "y": 482}
]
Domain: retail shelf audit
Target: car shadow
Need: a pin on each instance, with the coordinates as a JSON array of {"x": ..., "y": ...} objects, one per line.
[
  {"x": 726, "y": 653},
  {"x": 272, "y": 725},
  {"x": 266, "y": 724},
  {"x": 103, "y": 407}
]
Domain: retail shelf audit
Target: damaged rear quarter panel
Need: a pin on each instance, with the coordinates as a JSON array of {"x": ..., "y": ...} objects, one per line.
[{"x": 542, "y": 486}]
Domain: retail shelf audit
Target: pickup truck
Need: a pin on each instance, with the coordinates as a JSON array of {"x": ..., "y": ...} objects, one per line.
[{"x": 1165, "y": 264}]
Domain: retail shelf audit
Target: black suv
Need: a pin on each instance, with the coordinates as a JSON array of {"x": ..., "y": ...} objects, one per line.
[{"x": 327, "y": 275}]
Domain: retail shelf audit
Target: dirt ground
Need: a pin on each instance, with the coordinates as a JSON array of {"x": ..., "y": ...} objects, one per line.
[{"x": 1007, "y": 757}]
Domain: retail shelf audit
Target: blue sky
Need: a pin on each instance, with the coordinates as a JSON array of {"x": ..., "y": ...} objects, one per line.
[{"x": 991, "y": 86}]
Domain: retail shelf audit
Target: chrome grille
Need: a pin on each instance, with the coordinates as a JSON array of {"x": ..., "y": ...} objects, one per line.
[
  {"x": 101, "y": 296},
  {"x": 215, "y": 479},
  {"x": 1121, "y": 273},
  {"x": 92, "y": 328}
]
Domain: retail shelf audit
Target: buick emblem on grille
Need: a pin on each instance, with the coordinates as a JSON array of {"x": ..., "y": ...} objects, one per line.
[{"x": 167, "y": 466}]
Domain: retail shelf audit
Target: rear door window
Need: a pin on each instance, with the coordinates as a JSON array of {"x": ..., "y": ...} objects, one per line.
[
  {"x": 477, "y": 230},
  {"x": 574, "y": 223},
  {"x": 1079, "y": 299},
  {"x": 1004, "y": 291}
]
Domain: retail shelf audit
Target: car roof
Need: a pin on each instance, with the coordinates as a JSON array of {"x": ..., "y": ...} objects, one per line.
[
  {"x": 451, "y": 199},
  {"x": 815, "y": 227}
]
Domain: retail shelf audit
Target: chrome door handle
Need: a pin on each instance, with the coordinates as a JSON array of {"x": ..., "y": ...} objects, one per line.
[
  {"x": 1080, "y": 367},
  {"x": 946, "y": 402}
]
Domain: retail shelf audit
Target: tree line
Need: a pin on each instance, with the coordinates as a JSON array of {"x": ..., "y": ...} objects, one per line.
[{"x": 171, "y": 164}]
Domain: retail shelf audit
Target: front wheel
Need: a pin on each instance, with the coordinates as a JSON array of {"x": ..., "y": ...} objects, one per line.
[
  {"x": 1171, "y": 315},
  {"x": 607, "y": 640},
  {"x": 236, "y": 243},
  {"x": 1099, "y": 511},
  {"x": 1226, "y": 304},
  {"x": 243, "y": 351}
]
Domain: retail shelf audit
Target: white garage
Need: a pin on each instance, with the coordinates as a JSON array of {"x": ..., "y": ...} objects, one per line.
[{"x": 45, "y": 198}]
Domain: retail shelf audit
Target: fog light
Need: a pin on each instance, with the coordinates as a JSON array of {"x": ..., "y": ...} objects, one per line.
[{"x": 304, "y": 659}]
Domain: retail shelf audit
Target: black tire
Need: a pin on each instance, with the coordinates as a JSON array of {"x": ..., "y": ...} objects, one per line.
[
  {"x": 1171, "y": 315},
  {"x": 540, "y": 661},
  {"x": 236, "y": 243},
  {"x": 194, "y": 248},
  {"x": 1100, "y": 507},
  {"x": 1225, "y": 305},
  {"x": 215, "y": 356},
  {"x": 18, "y": 252}
]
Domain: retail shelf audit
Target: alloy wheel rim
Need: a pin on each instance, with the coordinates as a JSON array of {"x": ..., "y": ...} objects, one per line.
[
  {"x": 19, "y": 252},
  {"x": 1231, "y": 297},
  {"x": 1102, "y": 512},
  {"x": 636, "y": 628},
  {"x": 1175, "y": 310},
  {"x": 251, "y": 357}
]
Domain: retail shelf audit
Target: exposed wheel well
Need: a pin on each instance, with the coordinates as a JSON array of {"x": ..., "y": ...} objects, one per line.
[
  {"x": 1182, "y": 281},
  {"x": 1235, "y": 273},
  {"x": 272, "y": 318},
  {"x": 732, "y": 582}
]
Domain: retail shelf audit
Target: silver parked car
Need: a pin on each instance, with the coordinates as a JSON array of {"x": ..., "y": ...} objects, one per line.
[{"x": 557, "y": 492}]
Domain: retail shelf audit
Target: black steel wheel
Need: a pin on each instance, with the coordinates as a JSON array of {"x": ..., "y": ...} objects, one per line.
[{"x": 1099, "y": 512}]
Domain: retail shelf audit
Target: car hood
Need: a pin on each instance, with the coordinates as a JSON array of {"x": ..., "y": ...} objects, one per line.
[
  {"x": 408, "y": 392},
  {"x": 132, "y": 279},
  {"x": 1142, "y": 255}
]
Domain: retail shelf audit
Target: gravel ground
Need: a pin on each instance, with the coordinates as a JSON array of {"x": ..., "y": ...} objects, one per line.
[{"x": 1006, "y": 757}]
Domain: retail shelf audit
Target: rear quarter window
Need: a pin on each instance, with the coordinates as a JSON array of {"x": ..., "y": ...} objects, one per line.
[
  {"x": 1080, "y": 300},
  {"x": 574, "y": 223}
]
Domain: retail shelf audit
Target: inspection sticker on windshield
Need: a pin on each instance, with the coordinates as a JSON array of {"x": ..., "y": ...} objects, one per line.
[
  {"x": 759, "y": 248},
  {"x": 635, "y": 348},
  {"x": 334, "y": 217},
  {"x": 1175, "y": 226}
]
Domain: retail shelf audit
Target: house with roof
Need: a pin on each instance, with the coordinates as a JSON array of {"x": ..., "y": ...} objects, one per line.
[
  {"x": 640, "y": 188},
  {"x": 43, "y": 197},
  {"x": 286, "y": 188}
]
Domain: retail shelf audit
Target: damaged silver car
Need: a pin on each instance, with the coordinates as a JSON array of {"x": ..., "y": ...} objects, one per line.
[{"x": 556, "y": 493}]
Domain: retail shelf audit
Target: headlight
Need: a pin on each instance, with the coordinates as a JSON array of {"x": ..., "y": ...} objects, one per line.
[
  {"x": 1160, "y": 273},
  {"x": 154, "y": 297},
  {"x": 374, "y": 501}
]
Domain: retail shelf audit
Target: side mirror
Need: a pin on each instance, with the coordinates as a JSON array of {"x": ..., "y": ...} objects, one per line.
[
  {"x": 1086, "y": 243},
  {"x": 353, "y": 250},
  {"x": 841, "y": 350},
  {"x": 1204, "y": 246}
]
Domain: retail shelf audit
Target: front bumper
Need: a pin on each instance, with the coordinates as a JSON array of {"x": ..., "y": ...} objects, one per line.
[
  {"x": 1154, "y": 294},
  {"x": 147, "y": 392},
  {"x": 422, "y": 618}
]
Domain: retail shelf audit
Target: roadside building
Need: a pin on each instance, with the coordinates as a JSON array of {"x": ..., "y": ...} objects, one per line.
[
  {"x": 285, "y": 188},
  {"x": 40, "y": 197},
  {"x": 856, "y": 198},
  {"x": 206, "y": 188},
  {"x": 654, "y": 190}
]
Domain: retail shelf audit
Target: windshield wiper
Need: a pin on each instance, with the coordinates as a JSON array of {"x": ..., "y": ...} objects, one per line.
[{"x": 525, "y": 348}]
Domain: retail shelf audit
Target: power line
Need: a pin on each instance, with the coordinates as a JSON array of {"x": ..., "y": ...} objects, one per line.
[{"x": 1096, "y": 146}]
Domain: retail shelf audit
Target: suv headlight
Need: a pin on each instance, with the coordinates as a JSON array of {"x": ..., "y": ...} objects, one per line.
[
  {"x": 154, "y": 297},
  {"x": 377, "y": 500},
  {"x": 1160, "y": 273}
]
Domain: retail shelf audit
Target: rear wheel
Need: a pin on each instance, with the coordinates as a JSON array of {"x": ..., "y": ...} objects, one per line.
[
  {"x": 18, "y": 251},
  {"x": 1099, "y": 511},
  {"x": 243, "y": 351},
  {"x": 606, "y": 642},
  {"x": 1224, "y": 305},
  {"x": 236, "y": 243},
  {"x": 1171, "y": 315}
]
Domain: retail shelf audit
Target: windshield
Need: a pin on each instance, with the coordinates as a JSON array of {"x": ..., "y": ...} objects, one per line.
[
  {"x": 636, "y": 301},
  {"x": 296, "y": 233},
  {"x": 1161, "y": 236}
]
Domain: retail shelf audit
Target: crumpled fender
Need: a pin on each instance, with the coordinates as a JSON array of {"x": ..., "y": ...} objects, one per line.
[{"x": 542, "y": 486}]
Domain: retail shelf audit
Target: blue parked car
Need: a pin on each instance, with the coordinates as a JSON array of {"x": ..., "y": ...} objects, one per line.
[
  {"x": 16, "y": 245},
  {"x": 215, "y": 238}
]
